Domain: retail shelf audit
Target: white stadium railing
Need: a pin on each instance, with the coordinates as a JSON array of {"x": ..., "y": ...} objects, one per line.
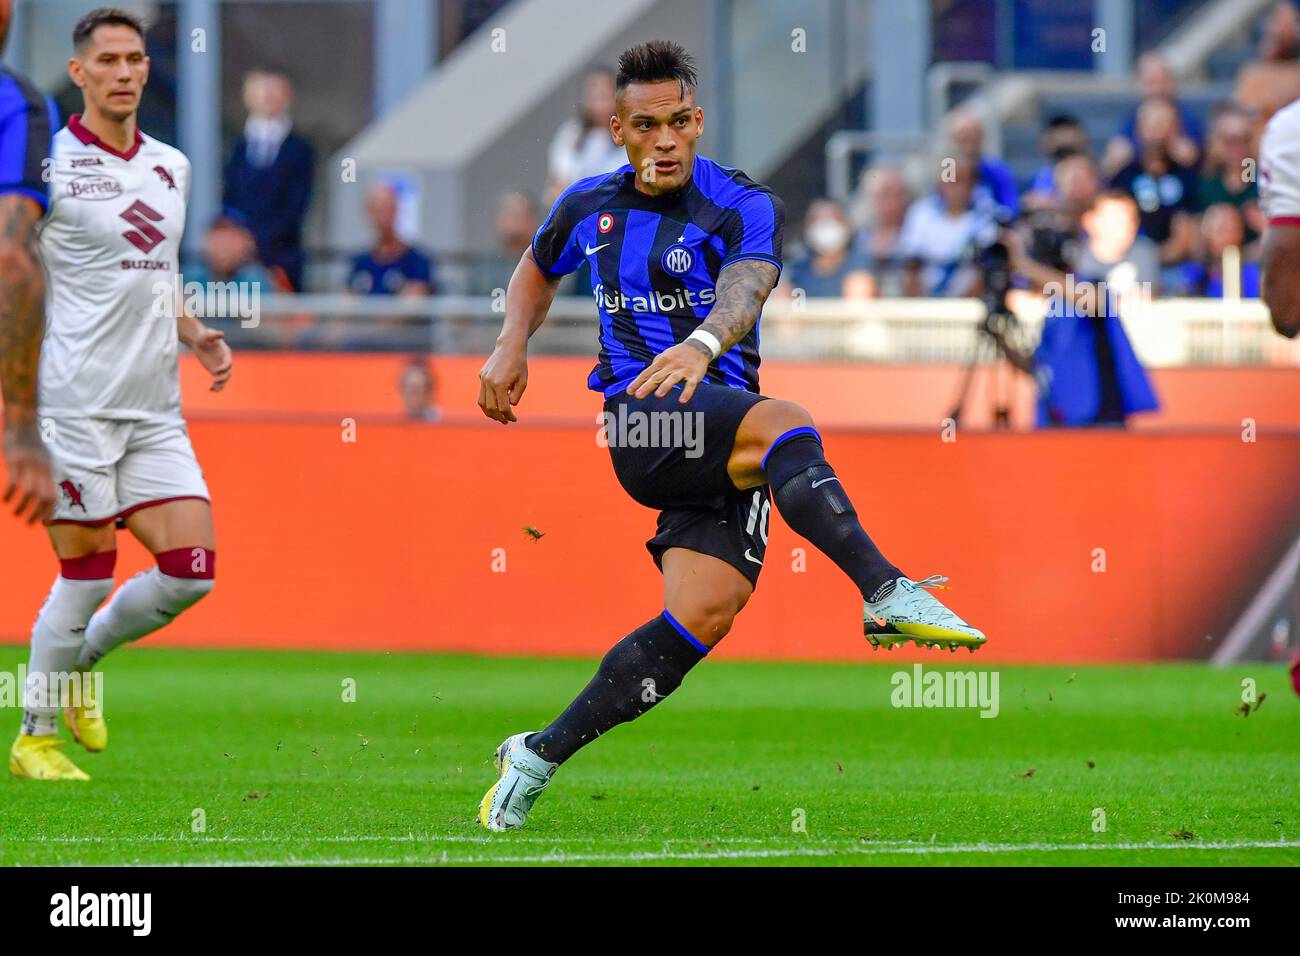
[{"x": 1165, "y": 332}]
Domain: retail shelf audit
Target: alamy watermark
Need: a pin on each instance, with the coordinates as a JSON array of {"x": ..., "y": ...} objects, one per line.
[
  {"x": 210, "y": 300},
  {"x": 638, "y": 429},
  {"x": 956, "y": 689},
  {"x": 83, "y": 689}
]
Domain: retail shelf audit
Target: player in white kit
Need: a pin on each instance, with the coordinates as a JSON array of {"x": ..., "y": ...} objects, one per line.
[
  {"x": 109, "y": 393},
  {"x": 1279, "y": 197}
]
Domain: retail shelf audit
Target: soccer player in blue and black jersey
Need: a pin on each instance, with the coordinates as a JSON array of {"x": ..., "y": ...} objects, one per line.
[
  {"x": 683, "y": 254},
  {"x": 27, "y": 122}
]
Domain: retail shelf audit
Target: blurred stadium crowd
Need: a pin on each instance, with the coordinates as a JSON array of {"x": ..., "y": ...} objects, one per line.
[{"x": 1155, "y": 208}]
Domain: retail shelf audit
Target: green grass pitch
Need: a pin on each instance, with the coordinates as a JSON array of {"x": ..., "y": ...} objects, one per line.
[{"x": 284, "y": 771}]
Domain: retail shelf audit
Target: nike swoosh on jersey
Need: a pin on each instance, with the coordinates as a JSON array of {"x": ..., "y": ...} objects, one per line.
[
  {"x": 592, "y": 252},
  {"x": 824, "y": 480}
]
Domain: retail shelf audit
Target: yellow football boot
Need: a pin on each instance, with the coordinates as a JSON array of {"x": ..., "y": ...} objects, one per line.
[
  {"x": 41, "y": 759},
  {"x": 89, "y": 731}
]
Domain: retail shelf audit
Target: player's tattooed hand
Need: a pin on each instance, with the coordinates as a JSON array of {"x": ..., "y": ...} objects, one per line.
[
  {"x": 743, "y": 287},
  {"x": 683, "y": 363},
  {"x": 29, "y": 489}
]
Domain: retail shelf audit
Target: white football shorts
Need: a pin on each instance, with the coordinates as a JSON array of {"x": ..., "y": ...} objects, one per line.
[{"x": 107, "y": 468}]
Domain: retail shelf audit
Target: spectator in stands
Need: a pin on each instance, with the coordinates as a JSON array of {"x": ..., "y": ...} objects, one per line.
[
  {"x": 390, "y": 266},
  {"x": 418, "y": 387},
  {"x": 1115, "y": 253},
  {"x": 1228, "y": 175},
  {"x": 887, "y": 199},
  {"x": 1087, "y": 372},
  {"x": 583, "y": 145},
  {"x": 1222, "y": 228},
  {"x": 828, "y": 266},
  {"x": 1047, "y": 242},
  {"x": 1272, "y": 81},
  {"x": 992, "y": 175},
  {"x": 1165, "y": 189},
  {"x": 1062, "y": 136},
  {"x": 268, "y": 178},
  {"x": 1084, "y": 364},
  {"x": 230, "y": 255},
  {"x": 1156, "y": 82},
  {"x": 516, "y": 222},
  {"x": 232, "y": 279},
  {"x": 940, "y": 231}
]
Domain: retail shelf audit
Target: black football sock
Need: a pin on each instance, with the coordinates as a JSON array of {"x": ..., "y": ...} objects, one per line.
[
  {"x": 638, "y": 672},
  {"x": 813, "y": 502}
]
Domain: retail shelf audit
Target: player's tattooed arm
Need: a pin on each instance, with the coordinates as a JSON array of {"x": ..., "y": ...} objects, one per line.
[
  {"x": 22, "y": 326},
  {"x": 743, "y": 287},
  {"x": 503, "y": 378}
]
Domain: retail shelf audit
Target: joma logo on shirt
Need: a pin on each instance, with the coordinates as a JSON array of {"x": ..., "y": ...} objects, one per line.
[{"x": 94, "y": 186}]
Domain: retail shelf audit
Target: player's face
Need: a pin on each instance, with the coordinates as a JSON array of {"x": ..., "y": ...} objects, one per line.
[
  {"x": 658, "y": 125},
  {"x": 6, "y": 13},
  {"x": 111, "y": 69}
]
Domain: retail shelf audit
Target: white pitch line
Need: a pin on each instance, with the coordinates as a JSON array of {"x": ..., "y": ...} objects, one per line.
[{"x": 913, "y": 849}]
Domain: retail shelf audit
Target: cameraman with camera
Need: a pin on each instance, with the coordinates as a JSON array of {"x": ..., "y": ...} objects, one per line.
[{"x": 1084, "y": 255}]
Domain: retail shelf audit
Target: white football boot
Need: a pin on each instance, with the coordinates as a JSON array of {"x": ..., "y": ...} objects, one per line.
[
  {"x": 911, "y": 613},
  {"x": 521, "y": 776}
]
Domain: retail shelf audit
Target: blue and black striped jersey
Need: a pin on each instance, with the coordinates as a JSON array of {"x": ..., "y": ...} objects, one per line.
[
  {"x": 655, "y": 262},
  {"x": 28, "y": 121}
]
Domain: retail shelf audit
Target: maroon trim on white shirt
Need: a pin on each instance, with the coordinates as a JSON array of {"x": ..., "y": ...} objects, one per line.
[
  {"x": 1284, "y": 221},
  {"x": 90, "y": 139}
]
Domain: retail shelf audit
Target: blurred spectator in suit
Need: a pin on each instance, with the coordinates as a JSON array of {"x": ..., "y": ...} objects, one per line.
[
  {"x": 1272, "y": 81},
  {"x": 1156, "y": 82},
  {"x": 390, "y": 266},
  {"x": 828, "y": 266},
  {"x": 516, "y": 222},
  {"x": 1165, "y": 188},
  {"x": 418, "y": 388},
  {"x": 583, "y": 145},
  {"x": 1063, "y": 135},
  {"x": 1228, "y": 174},
  {"x": 268, "y": 178},
  {"x": 939, "y": 234},
  {"x": 967, "y": 134},
  {"x": 1222, "y": 228},
  {"x": 886, "y": 200}
]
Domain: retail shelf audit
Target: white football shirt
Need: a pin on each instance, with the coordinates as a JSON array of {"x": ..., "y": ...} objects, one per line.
[
  {"x": 1279, "y": 167},
  {"x": 110, "y": 241}
]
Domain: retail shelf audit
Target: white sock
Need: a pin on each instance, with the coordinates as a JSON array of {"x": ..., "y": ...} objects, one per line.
[
  {"x": 57, "y": 638},
  {"x": 143, "y": 604}
]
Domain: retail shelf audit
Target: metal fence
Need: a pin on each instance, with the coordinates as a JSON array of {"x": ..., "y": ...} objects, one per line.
[{"x": 1167, "y": 332}]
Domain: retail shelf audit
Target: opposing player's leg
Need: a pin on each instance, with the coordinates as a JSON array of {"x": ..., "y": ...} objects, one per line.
[
  {"x": 1295, "y": 634},
  {"x": 777, "y": 444},
  {"x": 84, "y": 454},
  {"x": 702, "y": 596},
  {"x": 86, "y": 558},
  {"x": 180, "y": 536}
]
